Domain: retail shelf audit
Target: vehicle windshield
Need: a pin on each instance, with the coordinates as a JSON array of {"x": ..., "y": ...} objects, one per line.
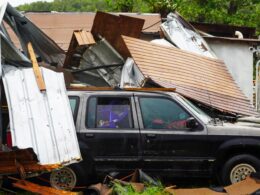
[{"x": 202, "y": 115}]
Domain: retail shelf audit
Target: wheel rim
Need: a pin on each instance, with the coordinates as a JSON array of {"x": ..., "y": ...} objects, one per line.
[
  {"x": 63, "y": 179},
  {"x": 240, "y": 172}
]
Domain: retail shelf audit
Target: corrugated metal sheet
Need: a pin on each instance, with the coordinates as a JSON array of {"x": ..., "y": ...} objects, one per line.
[
  {"x": 26, "y": 32},
  {"x": 9, "y": 53},
  {"x": 3, "y": 5},
  {"x": 181, "y": 33},
  {"x": 204, "y": 79},
  {"x": 60, "y": 26},
  {"x": 41, "y": 120},
  {"x": 102, "y": 54}
]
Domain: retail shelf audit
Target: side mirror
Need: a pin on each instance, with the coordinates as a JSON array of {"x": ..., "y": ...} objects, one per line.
[{"x": 191, "y": 123}]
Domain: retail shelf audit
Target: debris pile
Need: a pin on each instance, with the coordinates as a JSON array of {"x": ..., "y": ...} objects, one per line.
[
  {"x": 182, "y": 59},
  {"x": 141, "y": 183},
  {"x": 111, "y": 54}
]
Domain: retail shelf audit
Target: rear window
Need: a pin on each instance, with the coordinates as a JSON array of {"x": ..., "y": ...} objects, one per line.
[
  {"x": 74, "y": 104},
  {"x": 109, "y": 113}
]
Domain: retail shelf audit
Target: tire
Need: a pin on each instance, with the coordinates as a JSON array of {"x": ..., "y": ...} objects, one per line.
[
  {"x": 238, "y": 168},
  {"x": 63, "y": 179},
  {"x": 75, "y": 175}
]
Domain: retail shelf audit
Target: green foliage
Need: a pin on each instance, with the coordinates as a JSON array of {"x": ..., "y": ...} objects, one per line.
[
  {"x": 119, "y": 189},
  {"x": 66, "y": 5},
  {"x": 233, "y": 12},
  {"x": 121, "y": 5},
  {"x": 127, "y": 6},
  {"x": 162, "y": 6}
]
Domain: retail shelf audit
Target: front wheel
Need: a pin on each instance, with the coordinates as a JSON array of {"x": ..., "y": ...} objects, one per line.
[
  {"x": 63, "y": 179},
  {"x": 238, "y": 168}
]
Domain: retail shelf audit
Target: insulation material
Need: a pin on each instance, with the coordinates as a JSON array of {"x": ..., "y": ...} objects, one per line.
[{"x": 42, "y": 121}]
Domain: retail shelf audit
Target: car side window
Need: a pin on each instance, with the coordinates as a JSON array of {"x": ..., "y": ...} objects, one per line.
[
  {"x": 109, "y": 113},
  {"x": 162, "y": 113},
  {"x": 74, "y": 103}
]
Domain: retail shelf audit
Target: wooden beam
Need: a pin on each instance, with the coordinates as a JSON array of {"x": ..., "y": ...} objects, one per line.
[
  {"x": 38, "y": 189},
  {"x": 36, "y": 68},
  {"x": 74, "y": 88}
]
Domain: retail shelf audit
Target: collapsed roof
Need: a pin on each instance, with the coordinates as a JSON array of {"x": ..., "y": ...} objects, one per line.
[
  {"x": 60, "y": 25},
  {"x": 192, "y": 67},
  {"x": 200, "y": 78},
  {"x": 204, "y": 79}
]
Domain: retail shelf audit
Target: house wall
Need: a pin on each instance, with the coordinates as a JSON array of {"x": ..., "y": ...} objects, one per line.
[{"x": 239, "y": 61}]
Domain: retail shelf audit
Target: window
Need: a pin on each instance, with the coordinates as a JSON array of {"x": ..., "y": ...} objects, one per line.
[
  {"x": 162, "y": 113},
  {"x": 74, "y": 103},
  {"x": 109, "y": 113}
]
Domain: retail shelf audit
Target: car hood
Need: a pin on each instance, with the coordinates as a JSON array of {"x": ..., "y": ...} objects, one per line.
[
  {"x": 241, "y": 128},
  {"x": 251, "y": 119}
]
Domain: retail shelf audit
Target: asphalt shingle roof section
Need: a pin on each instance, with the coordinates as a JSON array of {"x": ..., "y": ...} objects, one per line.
[
  {"x": 201, "y": 78},
  {"x": 59, "y": 26}
]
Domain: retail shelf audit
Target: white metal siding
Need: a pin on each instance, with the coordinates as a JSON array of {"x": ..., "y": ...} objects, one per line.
[{"x": 41, "y": 120}]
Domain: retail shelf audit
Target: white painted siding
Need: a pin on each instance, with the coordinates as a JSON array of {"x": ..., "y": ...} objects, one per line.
[{"x": 239, "y": 61}]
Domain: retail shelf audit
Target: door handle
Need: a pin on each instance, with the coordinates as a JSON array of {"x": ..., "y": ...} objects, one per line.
[
  {"x": 89, "y": 135},
  {"x": 151, "y": 136}
]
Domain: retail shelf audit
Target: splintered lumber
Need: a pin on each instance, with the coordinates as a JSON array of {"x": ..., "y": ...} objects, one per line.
[
  {"x": 36, "y": 69},
  {"x": 90, "y": 88},
  {"x": 22, "y": 161},
  {"x": 43, "y": 190}
]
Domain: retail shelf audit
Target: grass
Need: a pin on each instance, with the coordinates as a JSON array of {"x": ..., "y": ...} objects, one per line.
[{"x": 119, "y": 189}]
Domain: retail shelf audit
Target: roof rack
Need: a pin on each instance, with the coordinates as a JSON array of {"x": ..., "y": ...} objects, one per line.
[{"x": 74, "y": 88}]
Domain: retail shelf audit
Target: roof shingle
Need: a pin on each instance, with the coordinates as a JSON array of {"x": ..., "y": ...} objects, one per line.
[{"x": 204, "y": 79}]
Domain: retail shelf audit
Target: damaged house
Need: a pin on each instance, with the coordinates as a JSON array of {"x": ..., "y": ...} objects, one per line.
[
  {"x": 182, "y": 60},
  {"x": 113, "y": 51},
  {"x": 113, "y": 55}
]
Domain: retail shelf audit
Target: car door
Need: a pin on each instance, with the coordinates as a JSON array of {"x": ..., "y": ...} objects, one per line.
[
  {"x": 168, "y": 145},
  {"x": 110, "y": 132}
]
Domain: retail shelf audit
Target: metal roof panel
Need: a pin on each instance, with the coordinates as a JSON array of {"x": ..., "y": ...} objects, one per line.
[{"x": 41, "y": 120}]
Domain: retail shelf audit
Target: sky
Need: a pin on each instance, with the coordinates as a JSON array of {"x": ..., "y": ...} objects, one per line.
[{"x": 20, "y": 2}]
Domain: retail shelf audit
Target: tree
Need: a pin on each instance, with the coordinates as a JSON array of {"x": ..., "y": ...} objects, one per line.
[
  {"x": 66, "y": 5},
  {"x": 121, "y": 5},
  {"x": 162, "y": 6},
  {"x": 233, "y": 12}
]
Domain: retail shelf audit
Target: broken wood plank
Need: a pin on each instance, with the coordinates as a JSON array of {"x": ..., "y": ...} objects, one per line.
[
  {"x": 36, "y": 69},
  {"x": 74, "y": 88},
  {"x": 80, "y": 40},
  {"x": 43, "y": 190}
]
